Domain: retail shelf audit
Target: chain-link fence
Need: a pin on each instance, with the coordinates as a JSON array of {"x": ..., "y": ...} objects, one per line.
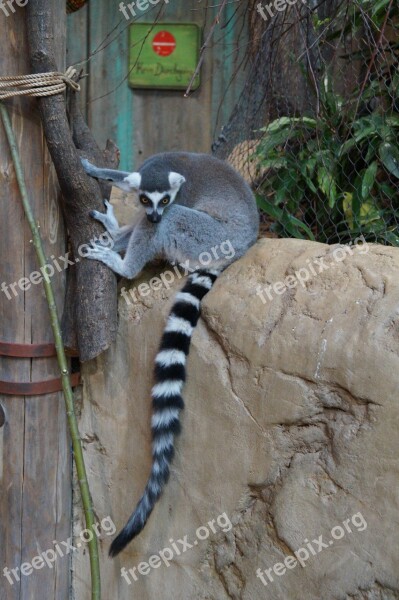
[{"x": 316, "y": 130}]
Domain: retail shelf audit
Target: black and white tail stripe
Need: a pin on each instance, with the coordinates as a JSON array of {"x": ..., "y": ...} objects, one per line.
[{"x": 170, "y": 375}]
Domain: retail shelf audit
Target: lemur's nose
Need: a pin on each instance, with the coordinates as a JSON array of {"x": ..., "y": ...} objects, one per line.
[{"x": 154, "y": 217}]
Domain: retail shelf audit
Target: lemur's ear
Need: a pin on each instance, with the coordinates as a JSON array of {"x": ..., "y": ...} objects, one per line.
[
  {"x": 133, "y": 181},
  {"x": 176, "y": 180}
]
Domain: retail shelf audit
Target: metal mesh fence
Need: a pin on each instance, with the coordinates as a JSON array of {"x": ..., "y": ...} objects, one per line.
[{"x": 316, "y": 130}]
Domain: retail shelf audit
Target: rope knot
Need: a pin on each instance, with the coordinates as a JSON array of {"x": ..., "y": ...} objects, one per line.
[
  {"x": 68, "y": 76},
  {"x": 39, "y": 84}
]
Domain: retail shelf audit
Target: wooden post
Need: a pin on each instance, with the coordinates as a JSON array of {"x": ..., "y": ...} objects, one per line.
[{"x": 35, "y": 461}]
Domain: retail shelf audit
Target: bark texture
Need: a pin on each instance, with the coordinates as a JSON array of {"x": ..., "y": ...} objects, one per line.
[{"x": 91, "y": 317}]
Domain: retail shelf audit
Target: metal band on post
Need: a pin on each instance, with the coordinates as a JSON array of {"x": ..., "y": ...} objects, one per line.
[{"x": 38, "y": 388}]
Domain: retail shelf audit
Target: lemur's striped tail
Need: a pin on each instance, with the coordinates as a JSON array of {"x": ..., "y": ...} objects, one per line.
[{"x": 170, "y": 375}]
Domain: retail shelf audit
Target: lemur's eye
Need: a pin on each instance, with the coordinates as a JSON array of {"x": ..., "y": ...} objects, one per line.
[
  {"x": 144, "y": 199},
  {"x": 165, "y": 200}
]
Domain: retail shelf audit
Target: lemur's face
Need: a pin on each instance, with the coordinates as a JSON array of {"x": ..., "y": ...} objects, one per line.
[{"x": 155, "y": 201}]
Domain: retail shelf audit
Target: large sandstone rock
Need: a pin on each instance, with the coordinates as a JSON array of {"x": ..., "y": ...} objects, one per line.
[{"x": 290, "y": 429}]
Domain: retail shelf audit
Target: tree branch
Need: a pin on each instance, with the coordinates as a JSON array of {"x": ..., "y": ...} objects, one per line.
[{"x": 95, "y": 302}]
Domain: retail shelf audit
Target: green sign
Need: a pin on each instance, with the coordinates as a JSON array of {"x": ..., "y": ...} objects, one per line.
[{"x": 163, "y": 56}]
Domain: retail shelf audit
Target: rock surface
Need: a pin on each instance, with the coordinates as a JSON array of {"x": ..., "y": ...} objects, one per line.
[{"x": 290, "y": 432}]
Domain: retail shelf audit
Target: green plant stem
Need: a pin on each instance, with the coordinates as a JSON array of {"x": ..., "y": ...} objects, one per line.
[{"x": 62, "y": 362}]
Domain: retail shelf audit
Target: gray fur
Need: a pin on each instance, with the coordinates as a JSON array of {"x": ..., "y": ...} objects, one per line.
[{"x": 212, "y": 204}]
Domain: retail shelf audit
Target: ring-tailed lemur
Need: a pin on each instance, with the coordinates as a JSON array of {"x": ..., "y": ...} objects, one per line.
[{"x": 192, "y": 202}]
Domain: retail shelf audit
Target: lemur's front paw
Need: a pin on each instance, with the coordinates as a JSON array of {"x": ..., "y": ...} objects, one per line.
[
  {"x": 107, "y": 256},
  {"x": 108, "y": 218},
  {"x": 97, "y": 251}
]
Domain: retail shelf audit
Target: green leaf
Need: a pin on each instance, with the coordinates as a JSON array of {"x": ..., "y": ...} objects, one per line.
[
  {"x": 357, "y": 198},
  {"x": 277, "y": 125},
  {"x": 277, "y": 138},
  {"x": 310, "y": 184},
  {"x": 283, "y": 122},
  {"x": 327, "y": 185},
  {"x": 347, "y": 207},
  {"x": 346, "y": 147},
  {"x": 312, "y": 123},
  {"x": 389, "y": 155},
  {"x": 310, "y": 166},
  {"x": 269, "y": 208},
  {"x": 392, "y": 121},
  {"x": 286, "y": 185},
  {"x": 372, "y": 149},
  {"x": 273, "y": 163},
  {"x": 394, "y": 87},
  {"x": 369, "y": 213},
  {"x": 387, "y": 190},
  {"x": 365, "y": 133},
  {"x": 369, "y": 179},
  {"x": 391, "y": 237},
  {"x": 379, "y": 5},
  {"x": 291, "y": 224},
  {"x": 296, "y": 223},
  {"x": 305, "y": 168}
]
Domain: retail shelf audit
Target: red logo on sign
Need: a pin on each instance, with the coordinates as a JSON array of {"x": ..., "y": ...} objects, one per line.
[{"x": 164, "y": 43}]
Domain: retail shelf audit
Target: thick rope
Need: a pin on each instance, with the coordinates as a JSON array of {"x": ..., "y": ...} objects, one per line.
[{"x": 41, "y": 84}]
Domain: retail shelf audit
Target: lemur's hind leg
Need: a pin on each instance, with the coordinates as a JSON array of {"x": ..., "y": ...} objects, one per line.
[
  {"x": 121, "y": 179},
  {"x": 107, "y": 174},
  {"x": 121, "y": 241},
  {"x": 187, "y": 234},
  {"x": 120, "y": 235},
  {"x": 140, "y": 251}
]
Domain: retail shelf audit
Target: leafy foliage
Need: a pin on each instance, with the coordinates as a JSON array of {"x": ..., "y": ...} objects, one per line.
[{"x": 336, "y": 175}]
